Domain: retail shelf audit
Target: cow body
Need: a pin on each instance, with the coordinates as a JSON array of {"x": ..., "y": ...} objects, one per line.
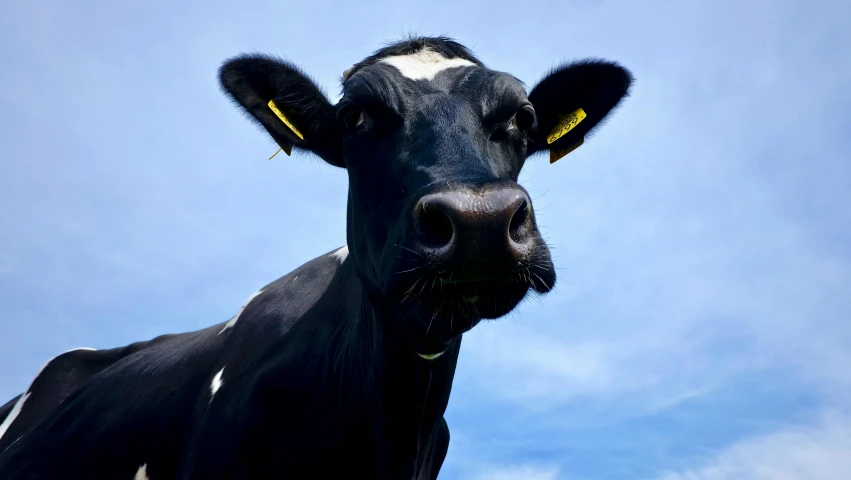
[
  {"x": 298, "y": 384},
  {"x": 343, "y": 367}
]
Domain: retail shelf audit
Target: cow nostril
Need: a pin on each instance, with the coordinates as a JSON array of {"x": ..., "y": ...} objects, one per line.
[
  {"x": 519, "y": 226},
  {"x": 435, "y": 227}
]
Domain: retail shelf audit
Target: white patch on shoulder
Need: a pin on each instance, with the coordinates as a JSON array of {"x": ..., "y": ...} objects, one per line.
[
  {"x": 217, "y": 383},
  {"x": 142, "y": 473},
  {"x": 341, "y": 254},
  {"x": 233, "y": 320},
  {"x": 16, "y": 410},
  {"x": 19, "y": 405},
  {"x": 425, "y": 64}
]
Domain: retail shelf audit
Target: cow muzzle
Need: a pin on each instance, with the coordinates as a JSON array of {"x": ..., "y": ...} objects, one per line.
[
  {"x": 476, "y": 234},
  {"x": 473, "y": 253}
]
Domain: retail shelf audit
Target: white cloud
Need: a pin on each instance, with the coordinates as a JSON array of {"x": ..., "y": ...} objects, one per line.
[
  {"x": 819, "y": 452},
  {"x": 515, "y": 472}
]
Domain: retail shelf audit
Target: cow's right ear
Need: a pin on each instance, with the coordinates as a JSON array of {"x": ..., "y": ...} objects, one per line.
[
  {"x": 572, "y": 101},
  {"x": 278, "y": 96}
]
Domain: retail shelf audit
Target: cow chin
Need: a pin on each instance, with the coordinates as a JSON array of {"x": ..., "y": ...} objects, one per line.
[
  {"x": 444, "y": 310},
  {"x": 436, "y": 302},
  {"x": 479, "y": 299}
]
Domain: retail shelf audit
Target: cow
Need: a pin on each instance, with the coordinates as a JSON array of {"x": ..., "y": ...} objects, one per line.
[{"x": 343, "y": 367}]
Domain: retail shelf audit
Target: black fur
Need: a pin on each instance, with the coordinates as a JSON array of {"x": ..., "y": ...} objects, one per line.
[
  {"x": 596, "y": 86},
  {"x": 252, "y": 80}
]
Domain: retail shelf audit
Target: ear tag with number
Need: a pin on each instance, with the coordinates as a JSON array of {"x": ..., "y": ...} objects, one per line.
[
  {"x": 289, "y": 149},
  {"x": 567, "y": 124},
  {"x": 284, "y": 119}
]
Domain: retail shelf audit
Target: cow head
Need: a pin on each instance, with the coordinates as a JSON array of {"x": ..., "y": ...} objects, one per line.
[{"x": 433, "y": 142}]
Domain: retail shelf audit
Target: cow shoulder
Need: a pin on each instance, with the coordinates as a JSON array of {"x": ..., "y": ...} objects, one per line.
[
  {"x": 275, "y": 308},
  {"x": 57, "y": 379},
  {"x": 7, "y": 408},
  {"x": 126, "y": 403}
]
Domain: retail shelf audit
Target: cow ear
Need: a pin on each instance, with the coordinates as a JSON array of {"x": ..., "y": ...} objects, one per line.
[
  {"x": 288, "y": 104},
  {"x": 571, "y": 101}
]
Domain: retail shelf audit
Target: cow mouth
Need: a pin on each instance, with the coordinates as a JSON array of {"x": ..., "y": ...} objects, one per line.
[
  {"x": 436, "y": 307},
  {"x": 467, "y": 300},
  {"x": 439, "y": 302},
  {"x": 486, "y": 299},
  {"x": 443, "y": 310}
]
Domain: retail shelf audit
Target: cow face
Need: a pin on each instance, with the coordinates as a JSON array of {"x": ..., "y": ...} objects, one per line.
[{"x": 433, "y": 142}]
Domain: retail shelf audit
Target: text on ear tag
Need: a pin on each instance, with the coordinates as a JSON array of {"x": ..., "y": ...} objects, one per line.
[
  {"x": 284, "y": 119},
  {"x": 555, "y": 155},
  {"x": 566, "y": 125}
]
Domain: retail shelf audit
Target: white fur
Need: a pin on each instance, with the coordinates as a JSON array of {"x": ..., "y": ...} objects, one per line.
[
  {"x": 433, "y": 356},
  {"x": 19, "y": 405},
  {"x": 217, "y": 383},
  {"x": 233, "y": 320},
  {"x": 142, "y": 473},
  {"x": 16, "y": 410},
  {"x": 341, "y": 254},
  {"x": 425, "y": 64}
]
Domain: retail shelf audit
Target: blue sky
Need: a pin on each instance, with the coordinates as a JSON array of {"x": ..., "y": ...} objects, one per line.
[{"x": 700, "y": 330}]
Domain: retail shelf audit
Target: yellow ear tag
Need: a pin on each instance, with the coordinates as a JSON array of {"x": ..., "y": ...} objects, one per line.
[
  {"x": 284, "y": 119},
  {"x": 566, "y": 125},
  {"x": 555, "y": 155}
]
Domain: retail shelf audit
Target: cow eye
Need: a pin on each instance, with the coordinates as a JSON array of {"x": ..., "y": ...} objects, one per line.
[
  {"x": 523, "y": 119},
  {"x": 352, "y": 118}
]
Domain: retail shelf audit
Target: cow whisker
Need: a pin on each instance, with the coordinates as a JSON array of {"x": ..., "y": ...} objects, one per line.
[
  {"x": 434, "y": 316},
  {"x": 422, "y": 290},
  {"x": 410, "y": 290},
  {"x": 407, "y": 271},
  {"x": 541, "y": 279},
  {"x": 409, "y": 249}
]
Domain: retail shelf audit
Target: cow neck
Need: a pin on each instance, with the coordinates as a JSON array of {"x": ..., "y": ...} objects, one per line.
[{"x": 380, "y": 374}]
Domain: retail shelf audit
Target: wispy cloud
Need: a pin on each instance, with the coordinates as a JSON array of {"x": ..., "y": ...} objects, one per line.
[
  {"x": 525, "y": 472},
  {"x": 818, "y": 452}
]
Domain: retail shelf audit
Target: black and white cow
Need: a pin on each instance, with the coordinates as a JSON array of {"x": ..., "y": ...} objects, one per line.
[{"x": 343, "y": 367}]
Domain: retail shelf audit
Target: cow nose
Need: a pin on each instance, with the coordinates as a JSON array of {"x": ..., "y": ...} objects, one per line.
[{"x": 488, "y": 225}]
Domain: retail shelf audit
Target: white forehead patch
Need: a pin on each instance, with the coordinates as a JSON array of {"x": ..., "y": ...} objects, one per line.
[
  {"x": 425, "y": 64},
  {"x": 341, "y": 254},
  {"x": 142, "y": 473}
]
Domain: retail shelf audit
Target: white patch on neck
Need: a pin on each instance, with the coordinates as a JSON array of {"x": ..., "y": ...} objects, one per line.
[
  {"x": 233, "y": 320},
  {"x": 433, "y": 356},
  {"x": 142, "y": 473},
  {"x": 341, "y": 254},
  {"x": 425, "y": 64},
  {"x": 19, "y": 405},
  {"x": 217, "y": 383}
]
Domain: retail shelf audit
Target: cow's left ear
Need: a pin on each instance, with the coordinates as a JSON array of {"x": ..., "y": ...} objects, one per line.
[
  {"x": 571, "y": 101},
  {"x": 288, "y": 104}
]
